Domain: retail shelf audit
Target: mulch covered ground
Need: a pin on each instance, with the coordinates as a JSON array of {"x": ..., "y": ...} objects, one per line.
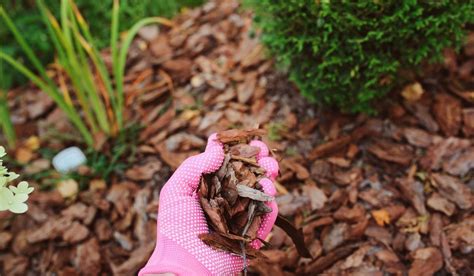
[{"x": 374, "y": 195}]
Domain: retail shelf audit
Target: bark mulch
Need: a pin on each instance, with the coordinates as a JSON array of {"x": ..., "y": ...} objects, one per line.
[{"x": 389, "y": 194}]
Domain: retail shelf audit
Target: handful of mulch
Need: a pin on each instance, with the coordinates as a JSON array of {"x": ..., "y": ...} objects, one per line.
[{"x": 234, "y": 201}]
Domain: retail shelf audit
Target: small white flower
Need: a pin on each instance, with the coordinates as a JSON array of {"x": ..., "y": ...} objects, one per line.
[
  {"x": 2, "y": 152},
  {"x": 14, "y": 203},
  {"x": 22, "y": 188}
]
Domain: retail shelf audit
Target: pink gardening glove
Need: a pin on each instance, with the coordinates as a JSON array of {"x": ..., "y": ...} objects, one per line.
[{"x": 181, "y": 219}]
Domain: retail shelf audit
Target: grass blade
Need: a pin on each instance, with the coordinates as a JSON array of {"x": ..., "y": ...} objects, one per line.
[
  {"x": 5, "y": 120},
  {"x": 27, "y": 49},
  {"x": 54, "y": 94},
  {"x": 119, "y": 65},
  {"x": 88, "y": 77}
]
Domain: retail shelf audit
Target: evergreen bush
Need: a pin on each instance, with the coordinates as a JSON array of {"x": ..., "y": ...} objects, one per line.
[{"x": 348, "y": 53}]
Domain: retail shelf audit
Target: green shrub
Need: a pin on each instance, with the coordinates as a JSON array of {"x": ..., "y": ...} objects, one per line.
[
  {"x": 27, "y": 18},
  {"x": 348, "y": 53}
]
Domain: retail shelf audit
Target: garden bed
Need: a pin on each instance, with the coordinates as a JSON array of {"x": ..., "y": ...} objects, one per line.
[{"x": 391, "y": 193}]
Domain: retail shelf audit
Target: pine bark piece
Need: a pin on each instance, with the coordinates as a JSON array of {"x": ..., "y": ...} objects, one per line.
[
  {"x": 454, "y": 190},
  {"x": 468, "y": 119},
  {"x": 214, "y": 215},
  {"x": 397, "y": 153},
  {"x": 234, "y": 201},
  {"x": 447, "y": 111},
  {"x": 254, "y": 194},
  {"x": 238, "y": 135},
  {"x": 230, "y": 197},
  {"x": 220, "y": 242}
]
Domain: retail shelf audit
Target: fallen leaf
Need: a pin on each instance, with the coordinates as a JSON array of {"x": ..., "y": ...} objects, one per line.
[{"x": 381, "y": 217}]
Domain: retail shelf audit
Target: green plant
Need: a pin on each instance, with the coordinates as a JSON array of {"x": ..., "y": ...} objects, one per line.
[
  {"x": 28, "y": 20},
  {"x": 275, "y": 130},
  {"x": 348, "y": 53},
  {"x": 12, "y": 197},
  {"x": 5, "y": 120},
  {"x": 98, "y": 92}
]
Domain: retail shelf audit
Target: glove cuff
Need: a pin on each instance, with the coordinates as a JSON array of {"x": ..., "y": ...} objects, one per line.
[{"x": 170, "y": 257}]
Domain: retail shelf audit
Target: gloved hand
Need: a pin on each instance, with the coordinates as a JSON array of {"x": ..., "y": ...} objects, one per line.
[{"x": 181, "y": 218}]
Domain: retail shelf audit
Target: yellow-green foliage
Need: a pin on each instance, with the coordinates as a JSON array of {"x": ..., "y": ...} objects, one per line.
[{"x": 348, "y": 53}]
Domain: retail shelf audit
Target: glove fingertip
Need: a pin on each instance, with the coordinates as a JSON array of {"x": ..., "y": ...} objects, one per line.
[
  {"x": 213, "y": 142},
  {"x": 270, "y": 165},
  {"x": 264, "y": 151}
]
